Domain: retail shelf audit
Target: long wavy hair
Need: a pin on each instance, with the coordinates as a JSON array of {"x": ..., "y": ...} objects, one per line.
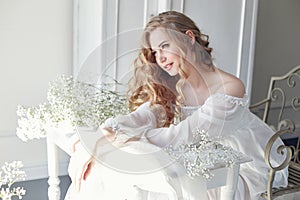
[{"x": 153, "y": 84}]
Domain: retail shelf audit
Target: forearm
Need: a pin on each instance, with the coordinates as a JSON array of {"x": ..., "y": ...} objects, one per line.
[{"x": 173, "y": 135}]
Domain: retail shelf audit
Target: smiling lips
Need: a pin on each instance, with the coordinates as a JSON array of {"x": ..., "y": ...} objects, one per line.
[{"x": 168, "y": 66}]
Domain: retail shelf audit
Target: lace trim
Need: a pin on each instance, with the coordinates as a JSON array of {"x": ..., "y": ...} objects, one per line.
[
  {"x": 231, "y": 99},
  {"x": 203, "y": 154},
  {"x": 188, "y": 110}
]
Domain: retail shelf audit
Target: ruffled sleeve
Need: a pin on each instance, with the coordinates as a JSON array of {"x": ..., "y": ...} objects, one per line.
[
  {"x": 219, "y": 114},
  {"x": 137, "y": 123},
  {"x": 218, "y": 111}
]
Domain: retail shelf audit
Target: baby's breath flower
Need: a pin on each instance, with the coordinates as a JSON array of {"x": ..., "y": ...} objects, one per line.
[
  {"x": 204, "y": 152},
  {"x": 70, "y": 102},
  {"x": 9, "y": 174}
]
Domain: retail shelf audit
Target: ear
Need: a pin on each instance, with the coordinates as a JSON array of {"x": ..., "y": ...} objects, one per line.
[{"x": 191, "y": 35}]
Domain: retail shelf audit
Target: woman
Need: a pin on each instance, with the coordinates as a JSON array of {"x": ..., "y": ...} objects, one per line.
[{"x": 175, "y": 80}]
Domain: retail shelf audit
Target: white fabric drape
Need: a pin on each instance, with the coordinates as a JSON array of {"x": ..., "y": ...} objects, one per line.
[{"x": 221, "y": 115}]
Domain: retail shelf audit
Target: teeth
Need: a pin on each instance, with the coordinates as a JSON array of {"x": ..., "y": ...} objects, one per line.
[{"x": 168, "y": 66}]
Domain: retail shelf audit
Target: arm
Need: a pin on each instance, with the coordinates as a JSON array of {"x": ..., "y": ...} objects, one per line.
[
  {"x": 220, "y": 112},
  {"x": 138, "y": 122},
  {"x": 82, "y": 158},
  {"x": 142, "y": 119},
  {"x": 211, "y": 117},
  {"x": 86, "y": 142},
  {"x": 217, "y": 112}
]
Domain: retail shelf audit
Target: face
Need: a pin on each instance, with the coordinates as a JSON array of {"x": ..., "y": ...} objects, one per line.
[{"x": 165, "y": 51}]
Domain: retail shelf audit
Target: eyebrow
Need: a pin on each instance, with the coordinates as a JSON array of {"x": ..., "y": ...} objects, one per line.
[{"x": 164, "y": 41}]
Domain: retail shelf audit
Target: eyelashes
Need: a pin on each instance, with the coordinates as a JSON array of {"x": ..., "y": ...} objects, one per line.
[
  {"x": 162, "y": 47},
  {"x": 165, "y": 45}
]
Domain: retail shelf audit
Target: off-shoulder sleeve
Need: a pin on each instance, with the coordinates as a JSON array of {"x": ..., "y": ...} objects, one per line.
[
  {"x": 136, "y": 123},
  {"x": 220, "y": 114}
]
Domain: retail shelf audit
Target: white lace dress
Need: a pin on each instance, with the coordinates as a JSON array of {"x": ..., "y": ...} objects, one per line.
[{"x": 141, "y": 170}]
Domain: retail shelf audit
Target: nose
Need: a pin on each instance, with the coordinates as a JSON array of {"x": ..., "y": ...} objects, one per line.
[{"x": 161, "y": 58}]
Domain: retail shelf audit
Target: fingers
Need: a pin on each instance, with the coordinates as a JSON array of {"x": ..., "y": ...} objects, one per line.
[
  {"x": 75, "y": 145},
  {"x": 81, "y": 161},
  {"x": 88, "y": 170},
  {"x": 79, "y": 176},
  {"x": 109, "y": 134},
  {"x": 72, "y": 142}
]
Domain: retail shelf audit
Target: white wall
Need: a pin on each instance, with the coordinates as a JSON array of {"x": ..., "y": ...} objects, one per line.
[
  {"x": 231, "y": 27},
  {"x": 231, "y": 31},
  {"x": 35, "y": 46}
]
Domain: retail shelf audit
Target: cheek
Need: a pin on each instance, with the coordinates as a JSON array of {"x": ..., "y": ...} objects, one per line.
[
  {"x": 174, "y": 53},
  {"x": 176, "y": 57},
  {"x": 176, "y": 70}
]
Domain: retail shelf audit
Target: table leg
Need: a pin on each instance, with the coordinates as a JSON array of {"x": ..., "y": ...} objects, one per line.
[
  {"x": 228, "y": 191},
  {"x": 53, "y": 181}
]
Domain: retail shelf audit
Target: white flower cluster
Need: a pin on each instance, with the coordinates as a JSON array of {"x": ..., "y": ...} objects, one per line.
[
  {"x": 203, "y": 154},
  {"x": 9, "y": 174},
  {"x": 70, "y": 102}
]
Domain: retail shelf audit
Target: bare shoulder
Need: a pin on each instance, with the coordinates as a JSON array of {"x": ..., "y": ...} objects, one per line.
[
  {"x": 232, "y": 85},
  {"x": 235, "y": 87}
]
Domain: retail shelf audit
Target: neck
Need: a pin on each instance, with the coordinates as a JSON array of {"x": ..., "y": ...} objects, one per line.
[
  {"x": 197, "y": 86},
  {"x": 199, "y": 76}
]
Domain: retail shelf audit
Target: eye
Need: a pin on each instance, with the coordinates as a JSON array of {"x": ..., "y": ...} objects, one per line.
[{"x": 165, "y": 45}]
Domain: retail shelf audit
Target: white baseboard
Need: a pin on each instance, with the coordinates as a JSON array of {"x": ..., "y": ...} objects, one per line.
[
  {"x": 33, "y": 154},
  {"x": 40, "y": 171}
]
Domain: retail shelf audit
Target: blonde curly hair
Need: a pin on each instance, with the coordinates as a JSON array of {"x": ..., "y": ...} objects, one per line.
[{"x": 150, "y": 82}]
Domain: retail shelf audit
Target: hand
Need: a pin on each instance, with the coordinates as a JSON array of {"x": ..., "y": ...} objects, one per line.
[
  {"x": 80, "y": 165},
  {"x": 73, "y": 143},
  {"x": 109, "y": 134},
  {"x": 81, "y": 160}
]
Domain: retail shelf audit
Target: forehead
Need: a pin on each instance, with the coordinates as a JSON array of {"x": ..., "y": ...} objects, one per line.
[{"x": 157, "y": 36}]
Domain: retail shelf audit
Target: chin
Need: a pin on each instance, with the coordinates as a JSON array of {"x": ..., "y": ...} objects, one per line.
[{"x": 173, "y": 73}]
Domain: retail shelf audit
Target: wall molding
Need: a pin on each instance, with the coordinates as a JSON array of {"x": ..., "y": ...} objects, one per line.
[
  {"x": 33, "y": 154},
  {"x": 248, "y": 38},
  {"x": 40, "y": 170}
]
